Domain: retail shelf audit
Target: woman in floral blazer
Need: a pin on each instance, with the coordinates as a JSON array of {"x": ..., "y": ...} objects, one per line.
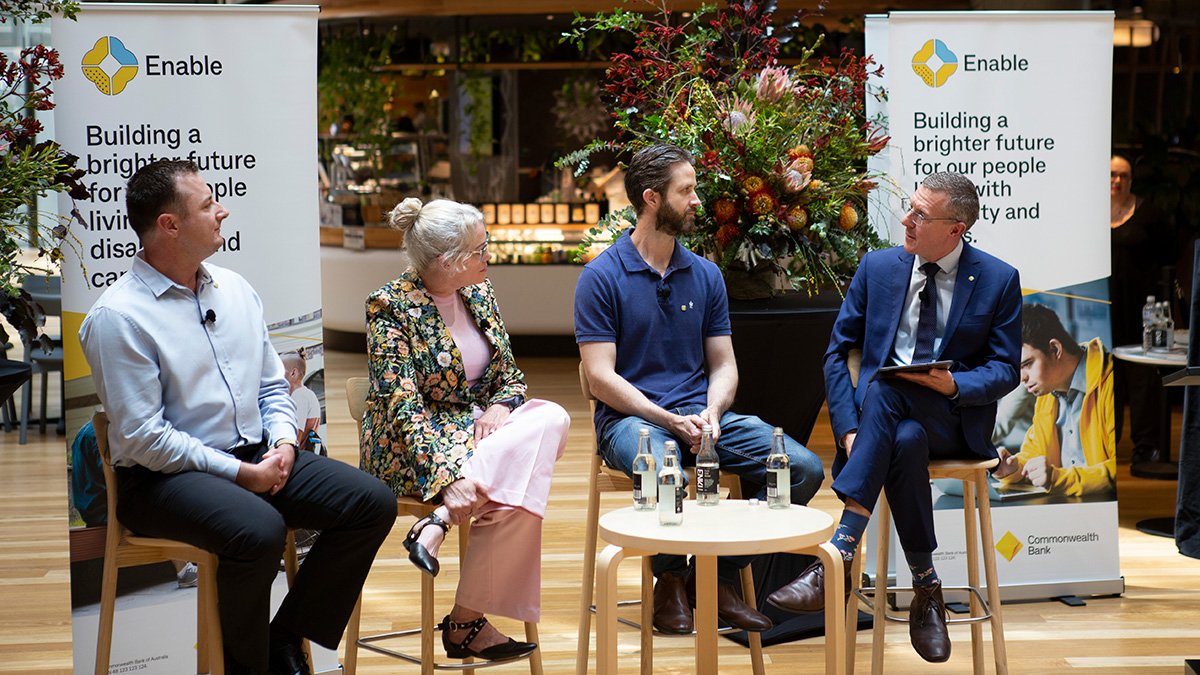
[{"x": 447, "y": 420}]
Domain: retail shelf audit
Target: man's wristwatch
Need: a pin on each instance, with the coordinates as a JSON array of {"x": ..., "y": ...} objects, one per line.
[{"x": 285, "y": 441}]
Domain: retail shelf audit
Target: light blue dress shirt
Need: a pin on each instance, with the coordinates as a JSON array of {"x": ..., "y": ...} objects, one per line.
[
  {"x": 180, "y": 392},
  {"x": 1070, "y": 408}
]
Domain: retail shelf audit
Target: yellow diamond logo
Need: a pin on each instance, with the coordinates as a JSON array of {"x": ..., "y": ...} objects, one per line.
[{"x": 1008, "y": 546}]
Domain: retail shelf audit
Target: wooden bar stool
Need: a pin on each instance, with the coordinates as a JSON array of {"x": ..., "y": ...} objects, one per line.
[
  {"x": 356, "y": 398},
  {"x": 131, "y": 550},
  {"x": 974, "y": 476},
  {"x": 602, "y": 478}
]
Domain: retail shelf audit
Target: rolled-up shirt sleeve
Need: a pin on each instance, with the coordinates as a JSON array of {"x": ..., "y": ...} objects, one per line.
[{"x": 125, "y": 367}]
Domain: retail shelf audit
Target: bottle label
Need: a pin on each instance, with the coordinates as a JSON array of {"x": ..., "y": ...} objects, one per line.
[
  {"x": 679, "y": 499},
  {"x": 637, "y": 487},
  {"x": 772, "y": 484},
  {"x": 707, "y": 479}
]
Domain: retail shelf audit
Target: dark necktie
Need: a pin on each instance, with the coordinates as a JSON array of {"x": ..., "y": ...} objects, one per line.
[{"x": 927, "y": 323}]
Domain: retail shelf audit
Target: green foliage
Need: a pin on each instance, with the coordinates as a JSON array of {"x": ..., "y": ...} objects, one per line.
[
  {"x": 30, "y": 169},
  {"x": 780, "y": 152},
  {"x": 348, "y": 83}
]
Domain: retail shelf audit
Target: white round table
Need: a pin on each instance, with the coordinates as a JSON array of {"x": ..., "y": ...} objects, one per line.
[{"x": 733, "y": 527}]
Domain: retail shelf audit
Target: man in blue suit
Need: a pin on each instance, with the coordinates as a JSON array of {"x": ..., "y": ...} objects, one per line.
[{"x": 935, "y": 298}]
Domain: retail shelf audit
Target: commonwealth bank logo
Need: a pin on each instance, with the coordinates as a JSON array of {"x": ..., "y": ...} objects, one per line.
[
  {"x": 1008, "y": 546},
  {"x": 109, "y": 65},
  {"x": 935, "y": 63}
]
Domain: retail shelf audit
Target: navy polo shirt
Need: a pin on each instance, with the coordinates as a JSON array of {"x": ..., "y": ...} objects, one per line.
[{"x": 658, "y": 323}]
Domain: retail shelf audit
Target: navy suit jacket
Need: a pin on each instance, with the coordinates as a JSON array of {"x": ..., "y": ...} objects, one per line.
[{"x": 982, "y": 337}]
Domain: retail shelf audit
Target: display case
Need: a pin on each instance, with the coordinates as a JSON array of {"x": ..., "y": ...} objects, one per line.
[
  {"x": 366, "y": 177},
  {"x": 539, "y": 232}
]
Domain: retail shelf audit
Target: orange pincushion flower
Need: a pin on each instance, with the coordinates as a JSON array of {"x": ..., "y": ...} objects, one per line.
[
  {"x": 763, "y": 203},
  {"x": 753, "y": 184},
  {"x": 799, "y": 151},
  {"x": 726, "y": 234},
  {"x": 725, "y": 210},
  {"x": 849, "y": 217},
  {"x": 797, "y": 218}
]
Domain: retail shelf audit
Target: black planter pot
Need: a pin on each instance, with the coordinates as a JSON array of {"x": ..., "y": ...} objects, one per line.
[{"x": 779, "y": 343}]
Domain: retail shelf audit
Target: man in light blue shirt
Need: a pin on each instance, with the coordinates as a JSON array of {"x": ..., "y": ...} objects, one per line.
[{"x": 203, "y": 432}]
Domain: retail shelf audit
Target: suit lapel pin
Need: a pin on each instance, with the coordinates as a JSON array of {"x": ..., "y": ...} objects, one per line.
[{"x": 970, "y": 278}]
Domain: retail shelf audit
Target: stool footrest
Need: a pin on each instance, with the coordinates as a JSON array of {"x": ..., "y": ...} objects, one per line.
[
  {"x": 867, "y": 594},
  {"x": 721, "y": 630},
  {"x": 366, "y": 642}
]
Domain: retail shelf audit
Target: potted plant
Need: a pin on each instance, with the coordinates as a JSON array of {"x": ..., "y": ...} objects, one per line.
[
  {"x": 30, "y": 168},
  {"x": 780, "y": 151}
]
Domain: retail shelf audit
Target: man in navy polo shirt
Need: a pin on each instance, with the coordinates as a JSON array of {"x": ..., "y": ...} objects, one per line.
[{"x": 652, "y": 323}]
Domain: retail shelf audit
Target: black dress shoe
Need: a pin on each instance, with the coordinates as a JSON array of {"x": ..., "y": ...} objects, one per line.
[
  {"x": 501, "y": 652},
  {"x": 288, "y": 659},
  {"x": 927, "y": 624},
  {"x": 806, "y": 593},
  {"x": 671, "y": 611},
  {"x": 1146, "y": 453},
  {"x": 417, "y": 553},
  {"x": 731, "y": 608}
]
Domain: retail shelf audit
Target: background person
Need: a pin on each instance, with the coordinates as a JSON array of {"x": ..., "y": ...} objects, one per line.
[
  {"x": 308, "y": 406},
  {"x": 447, "y": 418},
  {"x": 1070, "y": 448},
  {"x": 934, "y": 298},
  {"x": 1141, "y": 245},
  {"x": 652, "y": 323},
  {"x": 203, "y": 432}
]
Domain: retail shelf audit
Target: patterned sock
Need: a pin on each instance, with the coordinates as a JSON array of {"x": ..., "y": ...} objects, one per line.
[
  {"x": 921, "y": 566},
  {"x": 849, "y": 531}
]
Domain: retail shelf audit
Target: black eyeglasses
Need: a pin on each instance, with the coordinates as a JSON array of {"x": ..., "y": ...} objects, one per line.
[{"x": 918, "y": 219}]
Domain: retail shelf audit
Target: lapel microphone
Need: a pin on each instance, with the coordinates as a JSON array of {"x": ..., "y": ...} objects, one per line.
[{"x": 209, "y": 317}]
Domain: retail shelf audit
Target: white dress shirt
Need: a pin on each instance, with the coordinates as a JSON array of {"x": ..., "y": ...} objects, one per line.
[
  {"x": 906, "y": 333},
  {"x": 180, "y": 392}
]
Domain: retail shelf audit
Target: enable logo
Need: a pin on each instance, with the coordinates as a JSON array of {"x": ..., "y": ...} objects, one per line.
[
  {"x": 109, "y": 65},
  {"x": 934, "y": 63}
]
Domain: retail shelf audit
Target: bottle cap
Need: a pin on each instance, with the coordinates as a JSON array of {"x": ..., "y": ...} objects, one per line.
[
  {"x": 753, "y": 503},
  {"x": 706, "y": 427}
]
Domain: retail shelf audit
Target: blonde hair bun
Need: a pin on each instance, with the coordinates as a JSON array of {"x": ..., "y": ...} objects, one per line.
[{"x": 404, "y": 216}]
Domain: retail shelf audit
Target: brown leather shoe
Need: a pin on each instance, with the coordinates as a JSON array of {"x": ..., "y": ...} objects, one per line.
[
  {"x": 927, "y": 624},
  {"x": 806, "y": 593},
  {"x": 671, "y": 611},
  {"x": 731, "y": 608}
]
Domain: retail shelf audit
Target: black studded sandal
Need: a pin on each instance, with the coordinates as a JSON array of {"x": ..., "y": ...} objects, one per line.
[
  {"x": 417, "y": 553},
  {"x": 501, "y": 652}
]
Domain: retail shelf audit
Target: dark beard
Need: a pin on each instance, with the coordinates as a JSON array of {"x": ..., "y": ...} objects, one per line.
[{"x": 674, "y": 222}]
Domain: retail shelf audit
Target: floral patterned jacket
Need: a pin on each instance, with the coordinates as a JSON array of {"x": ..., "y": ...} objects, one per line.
[{"x": 418, "y": 427}]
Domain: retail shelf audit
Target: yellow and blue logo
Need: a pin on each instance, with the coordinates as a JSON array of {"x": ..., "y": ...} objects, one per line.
[
  {"x": 109, "y": 65},
  {"x": 946, "y": 63}
]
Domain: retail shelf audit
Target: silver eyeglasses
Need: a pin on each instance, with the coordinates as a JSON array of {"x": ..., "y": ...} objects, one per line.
[{"x": 918, "y": 218}]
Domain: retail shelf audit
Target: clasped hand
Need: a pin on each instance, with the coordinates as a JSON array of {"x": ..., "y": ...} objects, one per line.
[
  {"x": 271, "y": 473},
  {"x": 688, "y": 427},
  {"x": 937, "y": 379}
]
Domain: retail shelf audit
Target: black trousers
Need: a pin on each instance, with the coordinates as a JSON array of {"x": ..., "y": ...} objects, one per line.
[{"x": 248, "y": 531}]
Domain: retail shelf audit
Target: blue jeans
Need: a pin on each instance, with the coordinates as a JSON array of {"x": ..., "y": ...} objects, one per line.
[{"x": 742, "y": 447}]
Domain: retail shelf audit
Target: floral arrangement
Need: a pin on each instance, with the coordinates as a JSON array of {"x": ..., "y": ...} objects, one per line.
[
  {"x": 29, "y": 169},
  {"x": 780, "y": 151}
]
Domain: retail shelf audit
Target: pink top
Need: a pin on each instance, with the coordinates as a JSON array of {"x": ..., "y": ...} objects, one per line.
[{"x": 475, "y": 349}]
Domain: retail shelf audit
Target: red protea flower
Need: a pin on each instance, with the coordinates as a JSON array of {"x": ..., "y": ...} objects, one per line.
[{"x": 763, "y": 203}]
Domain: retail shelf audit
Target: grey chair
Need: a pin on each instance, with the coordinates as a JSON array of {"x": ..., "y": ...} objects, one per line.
[{"x": 47, "y": 292}]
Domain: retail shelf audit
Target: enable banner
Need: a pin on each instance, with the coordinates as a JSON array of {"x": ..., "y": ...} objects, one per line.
[
  {"x": 232, "y": 88},
  {"x": 1020, "y": 103}
]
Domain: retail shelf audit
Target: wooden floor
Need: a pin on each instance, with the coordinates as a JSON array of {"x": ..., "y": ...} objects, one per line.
[{"x": 1151, "y": 629}]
